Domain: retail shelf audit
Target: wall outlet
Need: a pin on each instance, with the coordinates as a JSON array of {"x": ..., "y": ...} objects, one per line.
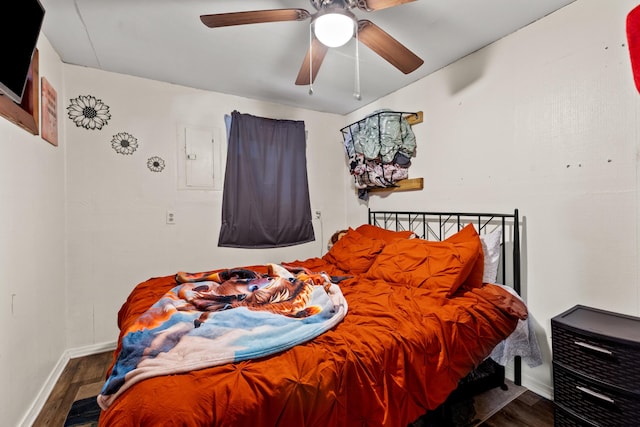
[
  {"x": 171, "y": 217},
  {"x": 318, "y": 214}
]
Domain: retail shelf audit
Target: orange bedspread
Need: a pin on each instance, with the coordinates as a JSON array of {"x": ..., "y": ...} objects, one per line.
[{"x": 399, "y": 352}]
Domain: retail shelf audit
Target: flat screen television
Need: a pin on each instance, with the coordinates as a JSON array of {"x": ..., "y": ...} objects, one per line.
[{"x": 22, "y": 21}]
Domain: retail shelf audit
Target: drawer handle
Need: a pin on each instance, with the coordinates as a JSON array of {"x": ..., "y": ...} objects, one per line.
[
  {"x": 596, "y": 395},
  {"x": 593, "y": 347}
]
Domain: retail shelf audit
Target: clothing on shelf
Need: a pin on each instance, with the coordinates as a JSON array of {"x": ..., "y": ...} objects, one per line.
[{"x": 379, "y": 148}]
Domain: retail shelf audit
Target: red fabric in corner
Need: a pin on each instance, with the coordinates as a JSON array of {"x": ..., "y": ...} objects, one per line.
[{"x": 633, "y": 40}]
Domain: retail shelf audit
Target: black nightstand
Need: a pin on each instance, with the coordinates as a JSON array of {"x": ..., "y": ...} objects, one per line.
[{"x": 596, "y": 368}]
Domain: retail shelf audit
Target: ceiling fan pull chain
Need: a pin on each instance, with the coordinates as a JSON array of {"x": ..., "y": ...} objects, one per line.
[
  {"x": 311, "y": 58},
  {"x": 356, "y": 93}
]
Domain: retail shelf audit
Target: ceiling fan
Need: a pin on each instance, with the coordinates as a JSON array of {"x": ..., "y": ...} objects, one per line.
[{"x": 325, "y": 34}]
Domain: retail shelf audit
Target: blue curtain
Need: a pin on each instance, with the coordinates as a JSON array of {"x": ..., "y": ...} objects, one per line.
[{"x": 265, "y": 203}]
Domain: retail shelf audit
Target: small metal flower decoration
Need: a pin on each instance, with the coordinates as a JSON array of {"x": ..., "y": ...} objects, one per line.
[
  {"x": 124, "y": 143},
  {"x": 155, "y": 164},
  {"x": 89, "y": 112}
]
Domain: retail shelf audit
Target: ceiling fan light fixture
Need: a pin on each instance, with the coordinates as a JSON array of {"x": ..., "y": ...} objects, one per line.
[{"x": 335, "y": 27}]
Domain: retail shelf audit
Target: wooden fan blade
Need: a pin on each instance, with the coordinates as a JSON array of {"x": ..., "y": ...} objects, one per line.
[
  {"x": 253, "y": 17},
  {"x": 387, "y": 47},
  {"x": 371, "y": 5},
  {"x": 318, "y": 50}
]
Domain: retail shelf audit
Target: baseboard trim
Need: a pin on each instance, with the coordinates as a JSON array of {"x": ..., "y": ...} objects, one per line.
[
  {"x": 539, "y": 388},
  {"x": 90, "y": 349},
  {"x": 531, "y": 383},
  {"x": 54, "y": 376}
]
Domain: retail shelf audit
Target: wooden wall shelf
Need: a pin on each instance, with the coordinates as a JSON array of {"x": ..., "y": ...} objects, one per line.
[
  {"x": 402, "y": 185},
  {"x": 27, "y": 114},
  {"x": 414, "y": 119}
]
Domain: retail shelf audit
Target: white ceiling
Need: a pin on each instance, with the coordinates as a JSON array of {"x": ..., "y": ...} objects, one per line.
[{"x": 165, "y": 40}]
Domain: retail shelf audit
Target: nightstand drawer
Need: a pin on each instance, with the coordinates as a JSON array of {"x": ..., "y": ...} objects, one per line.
[
  {"x": 608, "y": 361},
  {"x": 596, "y": 402}
]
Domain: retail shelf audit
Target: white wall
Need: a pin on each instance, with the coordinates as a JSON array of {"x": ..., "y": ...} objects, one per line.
[
  {"x": 117, "y": 233},
  {"x": 546, "y": 121},
  {"x": 32, "y": 256}
]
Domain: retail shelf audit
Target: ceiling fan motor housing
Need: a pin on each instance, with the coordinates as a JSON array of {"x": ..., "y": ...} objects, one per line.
[{"x": 334, "y": 4}]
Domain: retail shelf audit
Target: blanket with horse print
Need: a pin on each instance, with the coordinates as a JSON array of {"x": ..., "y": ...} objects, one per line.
[{"x": 219, "y": 317}]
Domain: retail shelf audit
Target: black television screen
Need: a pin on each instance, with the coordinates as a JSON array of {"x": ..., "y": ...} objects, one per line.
[{"x": 22, "y": 20}]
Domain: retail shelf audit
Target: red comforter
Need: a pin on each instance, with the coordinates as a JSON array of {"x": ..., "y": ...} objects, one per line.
[{"x": 399, "y": 352}]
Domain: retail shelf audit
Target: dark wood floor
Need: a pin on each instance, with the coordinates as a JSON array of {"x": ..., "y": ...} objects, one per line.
[
  {"x": 528, "y": 410},
  {"x": 80, "y": 376}
]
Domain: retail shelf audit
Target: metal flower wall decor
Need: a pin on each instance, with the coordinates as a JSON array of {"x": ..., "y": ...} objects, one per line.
[
  {"x": 89, "y": 112},
  {"x": 155, "y": 164},
  {"x": 124, "y": 143}
]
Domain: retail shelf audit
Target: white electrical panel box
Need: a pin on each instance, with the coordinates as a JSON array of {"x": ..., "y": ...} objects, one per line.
[{"x": 201, "y": 157}]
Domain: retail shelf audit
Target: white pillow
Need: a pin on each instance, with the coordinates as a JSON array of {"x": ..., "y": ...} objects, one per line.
[{"x": 491, "y": 248}]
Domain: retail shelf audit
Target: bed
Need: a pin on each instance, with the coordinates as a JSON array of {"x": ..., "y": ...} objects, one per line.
[{"x": 387, "y": 323}]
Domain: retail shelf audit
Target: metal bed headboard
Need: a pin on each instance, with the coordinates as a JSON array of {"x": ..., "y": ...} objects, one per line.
[{"x": 441, "y": 225}]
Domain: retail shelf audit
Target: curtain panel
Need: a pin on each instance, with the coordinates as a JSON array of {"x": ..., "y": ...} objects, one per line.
[{"x": 265, "y": 203}]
